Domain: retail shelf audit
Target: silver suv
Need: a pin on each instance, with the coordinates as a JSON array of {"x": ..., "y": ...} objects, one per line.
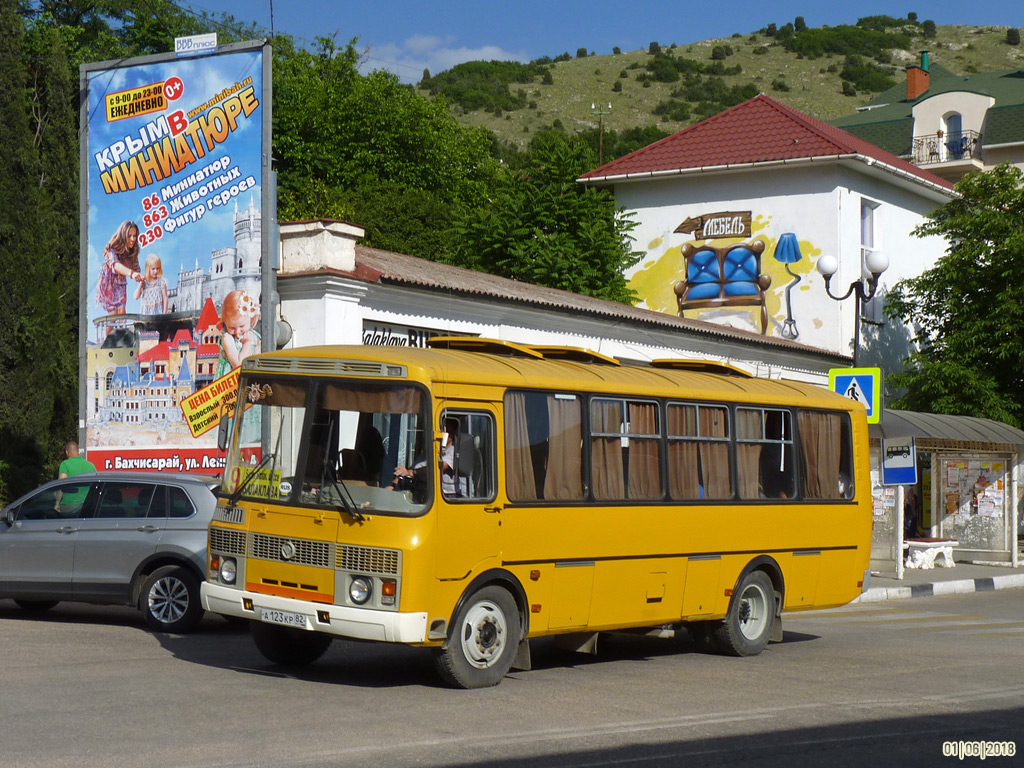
[{"x": 127, "y": 538}]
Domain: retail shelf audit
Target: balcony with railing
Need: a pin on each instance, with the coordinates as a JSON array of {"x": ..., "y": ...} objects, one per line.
[{"x": 954, "y": 149}]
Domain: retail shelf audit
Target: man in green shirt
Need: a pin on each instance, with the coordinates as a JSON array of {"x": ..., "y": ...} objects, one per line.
[{"x": 74, "y": 464}]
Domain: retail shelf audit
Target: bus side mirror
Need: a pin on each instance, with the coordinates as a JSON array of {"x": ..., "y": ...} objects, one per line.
[{"x": 222, "y": 432}]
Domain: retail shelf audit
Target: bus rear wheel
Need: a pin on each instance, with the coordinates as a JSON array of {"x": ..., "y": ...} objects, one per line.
[
  {"x": 747, "y": 626},
  {"x": 287, "y": 646},
  {"x": 484, "y": 640}
]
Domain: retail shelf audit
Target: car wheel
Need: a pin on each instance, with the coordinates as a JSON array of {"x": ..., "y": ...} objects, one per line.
[
  {"x": 287, "y": 646},
  {"x": 170, "y": 600},
  {"x": 484, "y": 640},
  {"x": 747, "y": 626},
  {"x": 35, "y": 606}
]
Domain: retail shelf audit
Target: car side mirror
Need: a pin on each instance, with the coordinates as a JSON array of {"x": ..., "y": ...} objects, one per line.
[
  {"x": 9, "y": 517},
  {"x": 222, "y": 432}
]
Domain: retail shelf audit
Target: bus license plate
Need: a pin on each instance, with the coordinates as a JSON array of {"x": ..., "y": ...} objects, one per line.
[{"x": 286, "y": 618}]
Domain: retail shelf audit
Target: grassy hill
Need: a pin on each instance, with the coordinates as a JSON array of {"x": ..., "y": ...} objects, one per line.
[{"x": 811, "y": 85}]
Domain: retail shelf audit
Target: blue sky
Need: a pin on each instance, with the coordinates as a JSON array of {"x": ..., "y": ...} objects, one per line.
[{"x": 406, "y": 37}]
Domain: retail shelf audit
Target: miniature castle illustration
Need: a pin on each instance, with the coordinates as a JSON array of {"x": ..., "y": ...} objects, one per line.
[
  {"x": 143, "y": 383},
  {"x": 230, "y": 268}
]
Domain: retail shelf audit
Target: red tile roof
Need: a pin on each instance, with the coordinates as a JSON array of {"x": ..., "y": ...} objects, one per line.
[{"x": 760, "y": 130}]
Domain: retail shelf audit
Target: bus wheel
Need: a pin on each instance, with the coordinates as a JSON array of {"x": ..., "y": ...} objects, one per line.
[
  {"x": 287, "y": 646},
  {"x": 485, "y": 636},
  {"x": 748, "y": 625}
]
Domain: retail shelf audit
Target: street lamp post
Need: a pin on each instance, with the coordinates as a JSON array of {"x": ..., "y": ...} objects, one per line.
[
  {"x": 863, "y": 289},
  {"x": 594, "y": 110}
]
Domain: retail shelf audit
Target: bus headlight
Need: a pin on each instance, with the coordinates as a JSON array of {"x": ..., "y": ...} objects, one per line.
[
  {"x": 227, "y": 570},
  {"x": 359, "y": 590}
]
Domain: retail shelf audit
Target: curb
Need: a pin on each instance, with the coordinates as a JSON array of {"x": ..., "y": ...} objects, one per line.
[{"x": 963, "y": 586}]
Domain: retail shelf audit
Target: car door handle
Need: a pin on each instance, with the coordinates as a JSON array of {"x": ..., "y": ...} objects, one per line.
[
  {"x": 148, "y": 528},
  {"x": 492, "y": 510},
  {"x": 66, "y": 529}
]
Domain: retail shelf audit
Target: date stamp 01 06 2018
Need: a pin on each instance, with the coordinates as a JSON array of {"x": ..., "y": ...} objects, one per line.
[{"x": 978, "y": 749}]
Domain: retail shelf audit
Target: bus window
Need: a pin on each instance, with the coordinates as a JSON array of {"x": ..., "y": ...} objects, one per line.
[
  {"x": 698, "y": 452},
  {"x": 358, "y": 434},
  {"x": 467, "y": 459},
  {"x": 765, "y": 464},
  {"x": 826, "y": 448},
  {"x": 543, "y": 458},
  {"x": 624, "y": 449}
]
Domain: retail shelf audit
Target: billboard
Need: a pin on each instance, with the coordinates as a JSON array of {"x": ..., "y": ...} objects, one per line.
[{"x": 176, "y": 279}]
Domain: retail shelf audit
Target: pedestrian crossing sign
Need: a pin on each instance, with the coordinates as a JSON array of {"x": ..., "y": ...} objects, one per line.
[{"x": 861, "y": 384}]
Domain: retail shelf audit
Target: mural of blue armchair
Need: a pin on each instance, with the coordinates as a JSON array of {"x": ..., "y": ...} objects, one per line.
[{"x": 723, "y": 277}]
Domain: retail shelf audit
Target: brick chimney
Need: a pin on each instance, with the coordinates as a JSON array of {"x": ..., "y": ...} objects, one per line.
[{"x": 917, "y": 78}]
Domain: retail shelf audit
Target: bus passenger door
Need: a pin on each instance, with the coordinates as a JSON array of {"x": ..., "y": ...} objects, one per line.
[{"x": 468, "y": 515}]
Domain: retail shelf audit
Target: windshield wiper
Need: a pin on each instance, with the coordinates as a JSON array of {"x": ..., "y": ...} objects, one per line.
[
  {"x": 248, "y": 479},
  {"x": 347, "y": 504}
]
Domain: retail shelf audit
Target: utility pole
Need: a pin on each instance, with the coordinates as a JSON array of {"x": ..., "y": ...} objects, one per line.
[{"x": 594, "y": 110}]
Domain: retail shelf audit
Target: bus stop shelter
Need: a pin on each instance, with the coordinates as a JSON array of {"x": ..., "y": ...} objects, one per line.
[{"x": 968, "y": 488}]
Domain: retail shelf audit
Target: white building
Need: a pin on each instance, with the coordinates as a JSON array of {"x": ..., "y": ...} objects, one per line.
[{"x": 763, "y": 178}]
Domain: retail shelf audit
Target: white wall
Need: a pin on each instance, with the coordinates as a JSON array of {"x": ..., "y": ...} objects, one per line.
[{"x": 819, "y": 202}]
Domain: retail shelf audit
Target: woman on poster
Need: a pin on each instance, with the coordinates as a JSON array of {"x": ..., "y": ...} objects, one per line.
[{"x": 120, "y": 263}]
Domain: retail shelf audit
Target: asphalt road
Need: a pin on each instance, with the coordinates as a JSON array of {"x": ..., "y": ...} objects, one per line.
[{"x": 881, "y": 684}]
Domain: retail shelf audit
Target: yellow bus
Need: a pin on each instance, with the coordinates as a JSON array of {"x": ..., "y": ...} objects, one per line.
[{"x": 475, "y": 494}]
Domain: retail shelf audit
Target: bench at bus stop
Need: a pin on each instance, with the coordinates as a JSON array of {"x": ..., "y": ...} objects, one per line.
[{"x": 923, "y": 552}]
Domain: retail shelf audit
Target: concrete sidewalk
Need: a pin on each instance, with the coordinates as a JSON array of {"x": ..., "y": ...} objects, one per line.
[{"x": 964, "y": 578}]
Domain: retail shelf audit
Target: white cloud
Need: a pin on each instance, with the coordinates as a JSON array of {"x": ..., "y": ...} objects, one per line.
[{"x": 409, "y": 58}]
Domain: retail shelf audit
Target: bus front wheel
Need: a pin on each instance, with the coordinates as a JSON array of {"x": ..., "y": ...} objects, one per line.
[
  {"x": 484, "y": 639},
  {"x": 748, "y": 625},
  {"x": 289, "y": 647}
]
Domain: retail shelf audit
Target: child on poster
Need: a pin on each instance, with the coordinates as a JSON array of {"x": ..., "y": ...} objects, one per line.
[
  {"x": 152, "y": 290},
  {"x": 120, "y": 263},
  {"x": 238, "y": 316},
  {"x": 239, "y": 339}
]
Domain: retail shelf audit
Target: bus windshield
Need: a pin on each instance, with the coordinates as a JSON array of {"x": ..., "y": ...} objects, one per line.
[{"x": 351, "y": 445}]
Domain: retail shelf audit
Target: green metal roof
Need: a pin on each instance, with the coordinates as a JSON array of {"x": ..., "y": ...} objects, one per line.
[{"x": 887, "y": 121}]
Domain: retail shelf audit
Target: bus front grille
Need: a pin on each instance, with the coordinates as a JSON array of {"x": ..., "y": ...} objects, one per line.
[
  {"x": 368, "y": 560},
  {"x": 287, "y": 550},
  {"x": 227, "y": 542}
]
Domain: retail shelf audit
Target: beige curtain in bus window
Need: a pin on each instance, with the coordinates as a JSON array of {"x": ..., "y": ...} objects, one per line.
[
  {"x": 644, "y": 464},
  {"x": 683, "y": 480},
  {"x": 820, "y": 446},
  {"x": 282, "y": 394},
  {"x": 518, "y": 462},
  {"x": 714, "y": 456},
  {"x": 564, "y": 478},
  {"x": 398, "y": 400},
  {"x": 748, "y": 455},
  {"x": 606, "y": 452}
]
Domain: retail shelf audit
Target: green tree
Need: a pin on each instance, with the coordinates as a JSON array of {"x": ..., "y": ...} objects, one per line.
[
  {"x": 928, "y": 28},
  {"x": 968, "y": 310},
  {"x": 538, "y": 225},
  {"x": 366, "y": 147},
  {"x": 1013, "y": 36},
  {"x": 31, "y": 316}
]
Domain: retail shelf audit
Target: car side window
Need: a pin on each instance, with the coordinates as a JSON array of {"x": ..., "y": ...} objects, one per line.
[
  {"x": 179, "y": 504},
  {"x": 124, "y": 499},
  {"x": 68, "y": 501}
]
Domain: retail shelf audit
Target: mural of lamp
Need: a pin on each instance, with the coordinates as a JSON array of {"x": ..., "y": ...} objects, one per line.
[
  {"x": 875, "y": 263},
  {"x": 788, "y": 252}
]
